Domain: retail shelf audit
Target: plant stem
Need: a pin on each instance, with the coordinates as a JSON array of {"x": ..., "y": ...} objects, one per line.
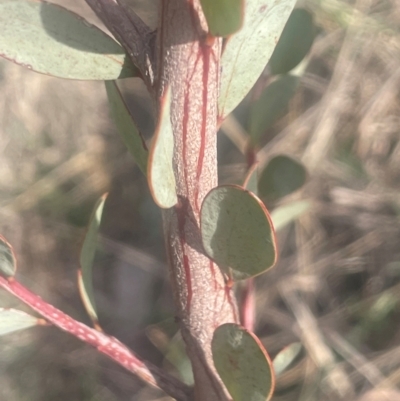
[
  {"x": 105, "y": 344},
  {"x": 132, "y": 33},
  {"x": 247, "y": 305},
  {"x": 188, "y": 61}
]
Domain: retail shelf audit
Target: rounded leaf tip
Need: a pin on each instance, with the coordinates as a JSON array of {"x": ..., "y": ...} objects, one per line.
[
  {"x": 237, "y": 232},
  {"x": 242, "y": 363}
]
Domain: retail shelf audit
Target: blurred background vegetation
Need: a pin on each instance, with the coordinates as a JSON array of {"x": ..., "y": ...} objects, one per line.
[{"x": 337, "y": 284}]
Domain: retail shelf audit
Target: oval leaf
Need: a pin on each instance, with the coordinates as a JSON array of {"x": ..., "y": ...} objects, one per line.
[
  {"x": 242, "y": 363},
  {"x": 237, "y": 232},
  {"x": 282, "y": 176},
  {"x": 12, "y": 320},
  {"x": 247, "y": 52},
  {"x": 160, "y": 172},
  {"x": 126, "y": 127},
  {"x": 51, "y": 40},
  {"x": 285, "y": 214},
  {"x": 271, "y": 105},
  {"x": 224, "y": 17},
  {"x": 284, "y": 358},
  {"x": 295, "y": 42},
  {"x": 8, "y": 262},
  {"x": 88, "y": 252}
]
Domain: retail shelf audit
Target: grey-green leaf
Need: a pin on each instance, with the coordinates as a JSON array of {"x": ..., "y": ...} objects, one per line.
[
  {"x": 271, "y": 105},
  {"x": 160, "y": 334},
  {"x": 285, "y": 214},
  {"x": 237, "y": 232},
  {"x": 12, "y": 320},
  {"x": 126, "y": 126},
  {"x": 224, "y": 17},
  {"x": 282, "y": 176},
  {"x": 166, "y": 337},
  {"x": 8, "y": 262},
  {"x": 177, "y": 356},
  {"x": 52, "y": 40},
  {"x": 160, "y": 173},
  {"x": 295, "y": 42},
  {"x": 285, "y": 357},
  {"x": 88, "y": 252},
  {"x": 242, "y": 363},
  {"x": 247, "y": 52}
]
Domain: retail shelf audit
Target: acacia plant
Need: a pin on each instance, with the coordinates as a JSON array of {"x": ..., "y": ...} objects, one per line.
[{"x": 198, "y": 65}]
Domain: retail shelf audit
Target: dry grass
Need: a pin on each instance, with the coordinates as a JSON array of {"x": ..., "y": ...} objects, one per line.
[{"x": 336, "y": 287}]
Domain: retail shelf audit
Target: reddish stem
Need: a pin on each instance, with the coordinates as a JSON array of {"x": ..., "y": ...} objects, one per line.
[
  {"x": 188, "y": 62},
  {"x": 104, "y": 343},
  {"x": 247, "y": 305}
]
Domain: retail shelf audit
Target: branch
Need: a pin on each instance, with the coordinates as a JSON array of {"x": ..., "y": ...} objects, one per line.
[
  {"x": 105, "y": 344},
  {"x": 133, "y": 34},
  {"x": 247, "y": 305}
]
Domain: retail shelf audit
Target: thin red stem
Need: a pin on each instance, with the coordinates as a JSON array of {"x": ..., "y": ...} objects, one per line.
[
  {"x": 247, "y": 305},
  {"x": 104, "y": 343}
]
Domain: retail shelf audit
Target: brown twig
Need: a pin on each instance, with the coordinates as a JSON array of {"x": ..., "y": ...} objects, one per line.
[
  {"x": 133, "y": 34},
  {"x": 104, "y": 343}
]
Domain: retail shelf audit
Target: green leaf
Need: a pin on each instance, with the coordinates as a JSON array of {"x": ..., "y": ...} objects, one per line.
[
  {"x": 88, "y": 252},
  {"x": 176, "y": 355},
  {"x": 161, "y": 333},
  {"x": 224, "y": 17},
  {"x": 160, "y": 172},
  {"x": 52, "y": 40},
  {"x": 251, "y": 180},
  {"x": 295, "y": 42},
  {"x": 242, "y": 363},
  {"x": 271, "y": 105},
  {"x": 285, "y": 214},
  {"x": 237, "y": 232},
  {"x": 12, "y": 320},
  {"x": 8, "y": 262},
  {"x": 284, "y": 358},
  {"x": 281, "y": 177},
  {"x": 247, "y": 52},
  {"x": 126, "y": 127},
  {"x": 166, "y": 337}
]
